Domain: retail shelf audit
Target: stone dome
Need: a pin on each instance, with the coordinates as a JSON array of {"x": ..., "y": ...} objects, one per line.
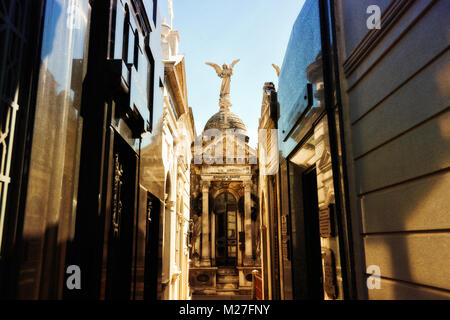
[{"x": 217, "y": 121}]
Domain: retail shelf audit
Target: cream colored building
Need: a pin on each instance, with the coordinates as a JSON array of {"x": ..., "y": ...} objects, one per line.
[
  {"x": 396, "y": 85},
  {"x": 363, "y": 182},
  {"x": 178, "y": 133},
  {"x": 267, "y": 192},
  {"x": 315, "y": 153}
]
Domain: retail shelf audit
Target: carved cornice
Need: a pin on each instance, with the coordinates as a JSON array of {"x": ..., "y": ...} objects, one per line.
[
  {"x": 390, "y": 16},
  {"x": 174, "y": 78}
]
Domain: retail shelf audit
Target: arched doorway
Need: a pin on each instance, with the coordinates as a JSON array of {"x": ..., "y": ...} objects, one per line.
[{"x": 225, "y": 209}]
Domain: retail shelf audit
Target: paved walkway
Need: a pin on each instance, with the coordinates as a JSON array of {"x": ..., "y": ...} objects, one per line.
[{"x": 221, "y": 297}]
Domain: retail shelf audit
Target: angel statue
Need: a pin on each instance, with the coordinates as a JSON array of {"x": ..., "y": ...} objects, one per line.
[{"x": 225, "y": 73}]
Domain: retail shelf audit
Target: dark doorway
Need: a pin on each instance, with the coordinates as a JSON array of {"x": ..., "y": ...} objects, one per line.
[
  {"x": 312, "y": 235},
  {"x": 152, "y": 248},
  {"x": 225, "y": 208},
  {"x": 274, "y": 238},
  {"x": 120, "y": 251}
]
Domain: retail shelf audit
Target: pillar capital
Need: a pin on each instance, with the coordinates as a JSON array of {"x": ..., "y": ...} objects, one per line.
[
  {"x": 247, "y": 184},
  {"x": 205, "y": 184}
]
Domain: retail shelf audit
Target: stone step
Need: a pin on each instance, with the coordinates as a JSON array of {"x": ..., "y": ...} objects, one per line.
[
  {"x": 227, "y": 286},
  {"x": 226, "y": 292},
  {"x": 227, "y": 271},
  {"x": 227, "y": 279},
  {"x": 245, "y": 292},
  {"x": 222, "y": 296}
]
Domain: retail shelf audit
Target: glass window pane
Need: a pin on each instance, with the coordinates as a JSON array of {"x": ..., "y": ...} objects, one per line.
[
  {"x": 57, "y": 125},
  {"x": 302, "y": 65}
]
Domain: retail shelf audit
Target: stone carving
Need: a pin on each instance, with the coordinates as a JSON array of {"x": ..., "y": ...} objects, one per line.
[
  {"x": 117, "y": 202},
  {"x": 258, "y": 245},
  {"x": 195, "y": 241},
  {"x": 330, "y": 274},
  {"x": 225, "y": 73}
]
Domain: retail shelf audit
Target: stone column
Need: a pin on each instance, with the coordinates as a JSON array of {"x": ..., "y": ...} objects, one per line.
[
  {"x": 239, "y": 229},
  {"x": 248, "y": 256},
  {"x": 206, "y": 259},
  {"x": 213, "y": 239}
]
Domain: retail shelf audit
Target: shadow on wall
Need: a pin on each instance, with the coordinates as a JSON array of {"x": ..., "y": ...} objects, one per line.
[{"x": 406, "y": 222}]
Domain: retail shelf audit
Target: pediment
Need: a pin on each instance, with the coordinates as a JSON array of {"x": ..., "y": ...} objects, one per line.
[{"x": 231, "y": 145}]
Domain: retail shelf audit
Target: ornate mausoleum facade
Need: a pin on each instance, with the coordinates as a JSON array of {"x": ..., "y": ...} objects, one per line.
[{"x": 225, "y": 239}]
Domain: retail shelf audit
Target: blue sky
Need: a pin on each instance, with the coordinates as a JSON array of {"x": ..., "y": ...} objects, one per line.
[{"x": 220, "y": 31}]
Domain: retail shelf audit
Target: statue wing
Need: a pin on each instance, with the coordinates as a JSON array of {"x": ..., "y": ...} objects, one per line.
[
  {"x": 277, "y": 69},
  {"x": 215, "y": 66},
  {"x": 233, "y": 63}
]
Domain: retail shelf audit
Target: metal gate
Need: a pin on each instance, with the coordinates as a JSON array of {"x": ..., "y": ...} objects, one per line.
[{"x": 14, "y": 29}]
